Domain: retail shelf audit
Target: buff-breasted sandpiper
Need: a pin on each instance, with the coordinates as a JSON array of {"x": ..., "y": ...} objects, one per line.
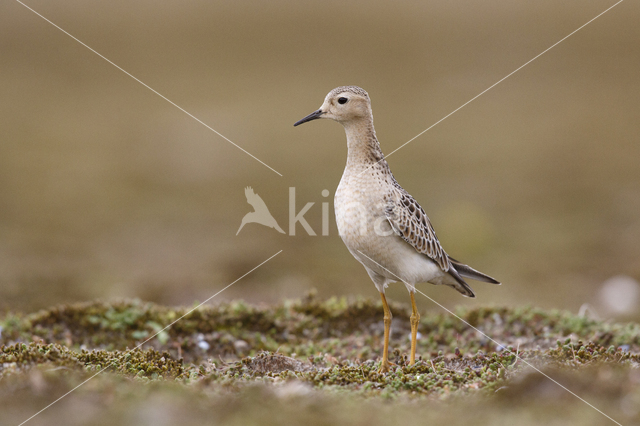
[{"x": 381, "y": 224}]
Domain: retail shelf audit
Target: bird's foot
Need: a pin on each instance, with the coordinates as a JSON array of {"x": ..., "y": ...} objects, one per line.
[{"x": 385, "y": 366}]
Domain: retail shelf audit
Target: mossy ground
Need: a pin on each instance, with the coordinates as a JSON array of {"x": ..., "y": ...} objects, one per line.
[{"x": 313, "y": 362}]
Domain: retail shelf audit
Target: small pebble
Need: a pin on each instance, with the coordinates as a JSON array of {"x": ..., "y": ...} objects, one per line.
[
  {"x": 418, "y": 336},
  {"x": 497, "y": 319},
  {"x": 241, "y": 346}
]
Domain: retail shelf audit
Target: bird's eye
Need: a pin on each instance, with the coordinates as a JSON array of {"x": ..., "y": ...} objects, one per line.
[{"x": 342, "y": 101}]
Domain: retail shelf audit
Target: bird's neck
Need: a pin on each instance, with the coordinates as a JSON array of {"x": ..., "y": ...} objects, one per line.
[{"x": 362, "y": 144}]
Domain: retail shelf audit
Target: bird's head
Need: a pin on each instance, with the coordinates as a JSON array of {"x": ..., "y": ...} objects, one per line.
[{"x": 343, "y": 104}]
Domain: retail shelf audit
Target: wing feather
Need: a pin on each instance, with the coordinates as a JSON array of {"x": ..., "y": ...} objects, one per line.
[{"x": 409, "y": 221}]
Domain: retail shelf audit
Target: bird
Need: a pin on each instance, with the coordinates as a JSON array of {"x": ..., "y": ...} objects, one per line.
[
  {"x": 381, "y": 224},
  {"x": 260, "y": 214}
]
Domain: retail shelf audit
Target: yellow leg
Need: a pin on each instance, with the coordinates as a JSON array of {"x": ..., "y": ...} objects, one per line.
[
  {"x": 415, "y": 320},
  {"x": 384, "y": 366}
]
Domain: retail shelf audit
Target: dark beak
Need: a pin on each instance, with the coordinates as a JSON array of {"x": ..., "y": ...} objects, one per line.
[{"x": 314, "y": 115}]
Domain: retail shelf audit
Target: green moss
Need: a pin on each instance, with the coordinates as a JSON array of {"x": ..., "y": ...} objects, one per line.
[
  {"x": 306, "y": 327},
  {"x": 331, "y": 345},
  {"x": 133, "y": 363}
]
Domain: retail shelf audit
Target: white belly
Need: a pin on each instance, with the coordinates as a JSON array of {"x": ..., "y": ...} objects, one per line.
[{"x": 363, "y": 227}]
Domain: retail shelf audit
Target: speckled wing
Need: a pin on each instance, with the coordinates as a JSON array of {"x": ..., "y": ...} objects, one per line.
[{"x": 410, "y": 222}]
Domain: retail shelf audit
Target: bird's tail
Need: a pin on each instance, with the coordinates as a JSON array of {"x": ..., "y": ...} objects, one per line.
[
  {"x": 459, "y": 284},
  {"x": 468, "y": 272}
]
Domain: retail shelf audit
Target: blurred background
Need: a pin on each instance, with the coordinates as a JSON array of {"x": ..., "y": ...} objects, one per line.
[{"x": 108, "y": 191}]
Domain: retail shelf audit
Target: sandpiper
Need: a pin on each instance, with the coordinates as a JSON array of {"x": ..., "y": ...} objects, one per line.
[{"x": 381, "y": 224}]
